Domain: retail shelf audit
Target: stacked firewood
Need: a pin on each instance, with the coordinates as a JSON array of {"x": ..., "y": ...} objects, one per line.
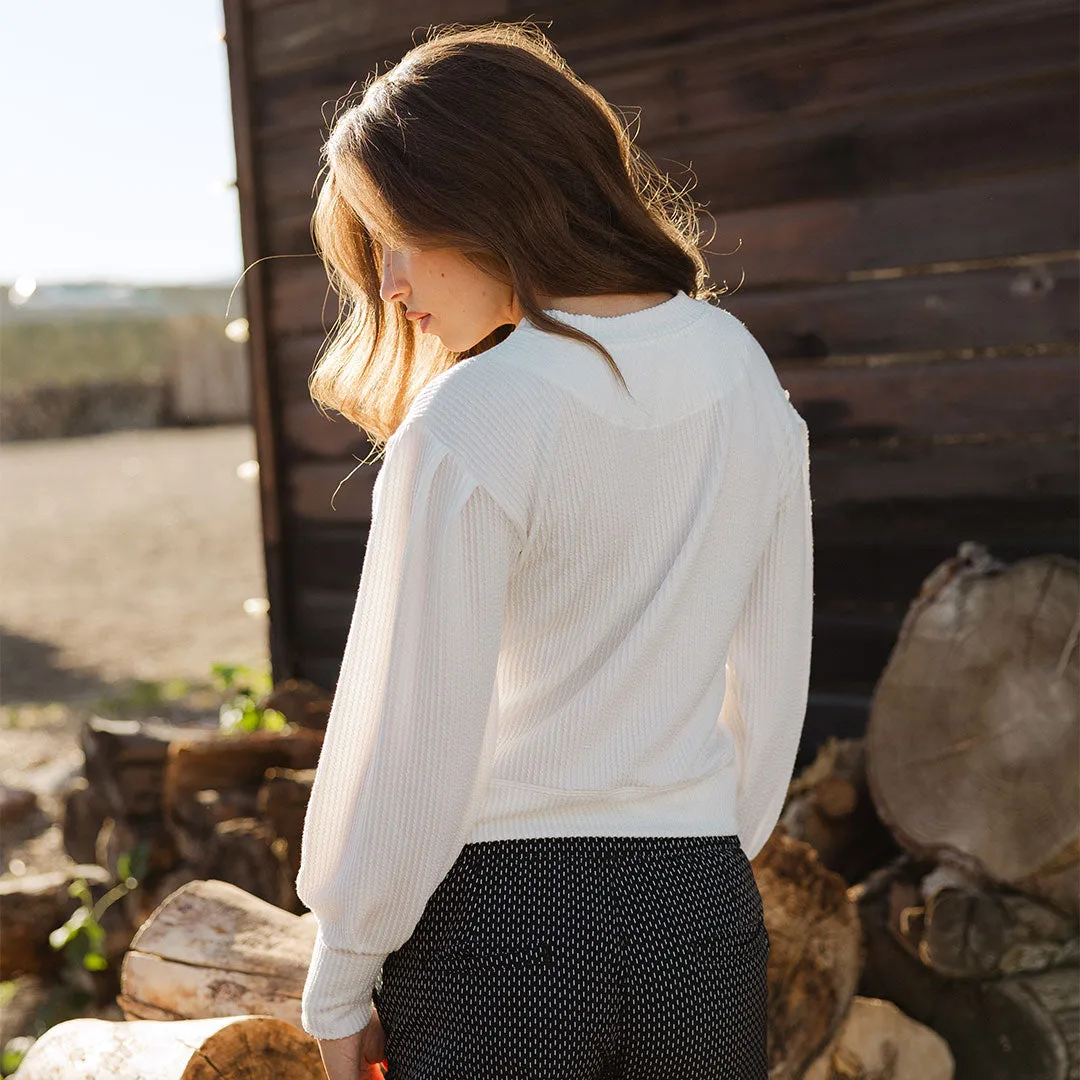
[
  {"x": 193, "y": 802},
  {"x": 921, "y": 892}
]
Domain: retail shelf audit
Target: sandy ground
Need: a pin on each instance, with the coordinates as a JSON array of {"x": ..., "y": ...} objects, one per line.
[{"x": 123, "y": 556}]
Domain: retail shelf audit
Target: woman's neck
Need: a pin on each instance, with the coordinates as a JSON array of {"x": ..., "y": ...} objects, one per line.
[{"x": 604, "y": 306}]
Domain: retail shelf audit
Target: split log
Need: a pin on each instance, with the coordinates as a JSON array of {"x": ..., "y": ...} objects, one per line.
[
  {"x": 877, "y": 1040},
  {"x": 814, "y": 955},
  {"x": 211, "y": 949},
  {"x": 239, "y": 1047},
  {"x": 974, "y": 727},
  {"x": 31, "y": 907},
  {"x": 997, "y": 1028},
  {"x": 829, "y": 807}
]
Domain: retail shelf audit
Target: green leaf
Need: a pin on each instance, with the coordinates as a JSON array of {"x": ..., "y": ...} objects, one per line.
[
  {"x": 95, "y": 961},
  {"x": 11, "y": 1057},
  {"x": 272, "y": 720},
  {"x": 225, "y": 674},
  {"x": 123, "y": 866}
]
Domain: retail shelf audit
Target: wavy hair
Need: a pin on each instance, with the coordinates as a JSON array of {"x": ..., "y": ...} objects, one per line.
[{"x": 482, "y": 139}]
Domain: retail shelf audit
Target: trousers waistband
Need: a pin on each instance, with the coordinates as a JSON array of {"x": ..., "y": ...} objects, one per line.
[{"x": 608, "y": 846}]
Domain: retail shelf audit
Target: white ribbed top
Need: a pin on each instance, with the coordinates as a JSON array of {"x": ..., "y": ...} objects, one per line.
[{"x": 578, "y": 615}]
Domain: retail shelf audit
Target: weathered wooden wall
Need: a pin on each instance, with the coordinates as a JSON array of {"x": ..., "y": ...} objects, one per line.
[{"x": 899, "y": 179}]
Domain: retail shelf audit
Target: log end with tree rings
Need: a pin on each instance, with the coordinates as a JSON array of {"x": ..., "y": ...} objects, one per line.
[
  {"x": 239, "y": 1047},
  {"x": 974, "y": 730}
]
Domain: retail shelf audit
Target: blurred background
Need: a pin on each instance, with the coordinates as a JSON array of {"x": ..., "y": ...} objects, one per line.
[
  {"x": 131, "y": 559},
  {"x": 130, "y": 546},
  {"x": 894, "y": 189}
]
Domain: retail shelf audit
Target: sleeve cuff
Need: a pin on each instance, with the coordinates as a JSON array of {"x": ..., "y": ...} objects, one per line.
[{"x": 337, "y": 993}]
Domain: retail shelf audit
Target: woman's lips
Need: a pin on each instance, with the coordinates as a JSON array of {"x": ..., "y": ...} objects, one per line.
[{"x": 419, "y": 317}]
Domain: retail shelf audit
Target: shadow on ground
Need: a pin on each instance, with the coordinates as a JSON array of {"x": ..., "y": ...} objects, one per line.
[{"x": 30, "y": 675}]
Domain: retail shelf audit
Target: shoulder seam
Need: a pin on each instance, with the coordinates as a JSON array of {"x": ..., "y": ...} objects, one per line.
[{"x": 473, "y": 478}]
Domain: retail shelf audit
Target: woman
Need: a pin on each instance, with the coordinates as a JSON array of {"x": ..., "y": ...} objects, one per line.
[{"x": 576, "y": 673}]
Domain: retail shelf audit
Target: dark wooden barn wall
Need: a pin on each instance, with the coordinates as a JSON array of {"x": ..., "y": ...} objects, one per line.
[{"x": 896, "y": 184}]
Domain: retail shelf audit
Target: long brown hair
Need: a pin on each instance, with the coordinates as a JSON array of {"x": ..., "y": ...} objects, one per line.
[{"x": 482, "y": 139}]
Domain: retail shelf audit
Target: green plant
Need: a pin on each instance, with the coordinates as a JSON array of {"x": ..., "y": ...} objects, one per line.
[
  {"x": 82, "y": 935},
  {"x": 12, "y": 1055},
  {"x": 241, "y": 710}
]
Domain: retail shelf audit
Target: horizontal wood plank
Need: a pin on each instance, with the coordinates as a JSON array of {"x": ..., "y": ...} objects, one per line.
[
  {"x": 872, "y": 474},
  {"x": 911, "y": 144},
  {"x": 981, "y": 308},
  {"x": 831, "y": 239},
  {"x": 998, "y": 306},
  {"x": 995, "y": 396},
  {"x": 723, "y": 80},
  {"x": 308, "y": 34},
  {"x": 828, "y": 239}
]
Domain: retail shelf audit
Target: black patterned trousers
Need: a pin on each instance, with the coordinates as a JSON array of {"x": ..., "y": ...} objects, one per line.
[{"x": 583, "y": 958}]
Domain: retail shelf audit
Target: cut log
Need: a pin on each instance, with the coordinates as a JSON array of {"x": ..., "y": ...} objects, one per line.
[
  {"x": 877, "y": 1040},
  {"x": 211, "y": 782},
  {"x": 975, "y": 929},
  {"x": 125, "y": 761},
  {"x": 31, "y": 907},
  {"x": 245, "y": 852},
  {"x": 192, "y": 821},
  {"x": 282, "y": 804},
  {"x": 997, "y": 1029},
  {"x": 974, "y": 727},
  {"x": 814, "y": 955},
  {"x": 229, "y": 762},
  {"x": 829, "y": 807},
  {"x": 239, "y": 1047},
  {"x": 211, "y": 949}
]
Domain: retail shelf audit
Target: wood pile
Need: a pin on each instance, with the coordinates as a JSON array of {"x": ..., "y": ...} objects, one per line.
[
  {"x": 969, "y": 772},
  {"x": 921, "y": 892},
  {"x": 197, "y": 802}
]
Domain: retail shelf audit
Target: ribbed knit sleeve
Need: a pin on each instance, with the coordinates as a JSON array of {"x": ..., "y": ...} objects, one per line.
[
  {"x": 768, "y": 663},
  {"x": 411, "y": 732}
]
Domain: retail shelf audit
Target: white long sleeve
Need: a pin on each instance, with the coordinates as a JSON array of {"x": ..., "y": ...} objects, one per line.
[
  {"x": 411, "y": 731},
  {"x": 580, "y": 613},
  {"x": 768, "y": 663}
]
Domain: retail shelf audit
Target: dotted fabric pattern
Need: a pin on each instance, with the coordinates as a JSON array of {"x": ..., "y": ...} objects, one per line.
[{"x": 583, "y": 958}]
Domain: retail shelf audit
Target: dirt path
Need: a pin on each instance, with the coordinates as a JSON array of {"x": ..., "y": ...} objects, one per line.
[
  {"x": 122, "y": 556},
  {"x": 127, "y": 555}
]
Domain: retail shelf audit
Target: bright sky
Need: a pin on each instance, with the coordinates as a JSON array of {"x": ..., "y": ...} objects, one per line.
[{"x": 117, "y": 151}]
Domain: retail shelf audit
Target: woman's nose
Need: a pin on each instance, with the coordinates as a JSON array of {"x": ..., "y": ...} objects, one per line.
[{"x": 395, "y": 285}]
